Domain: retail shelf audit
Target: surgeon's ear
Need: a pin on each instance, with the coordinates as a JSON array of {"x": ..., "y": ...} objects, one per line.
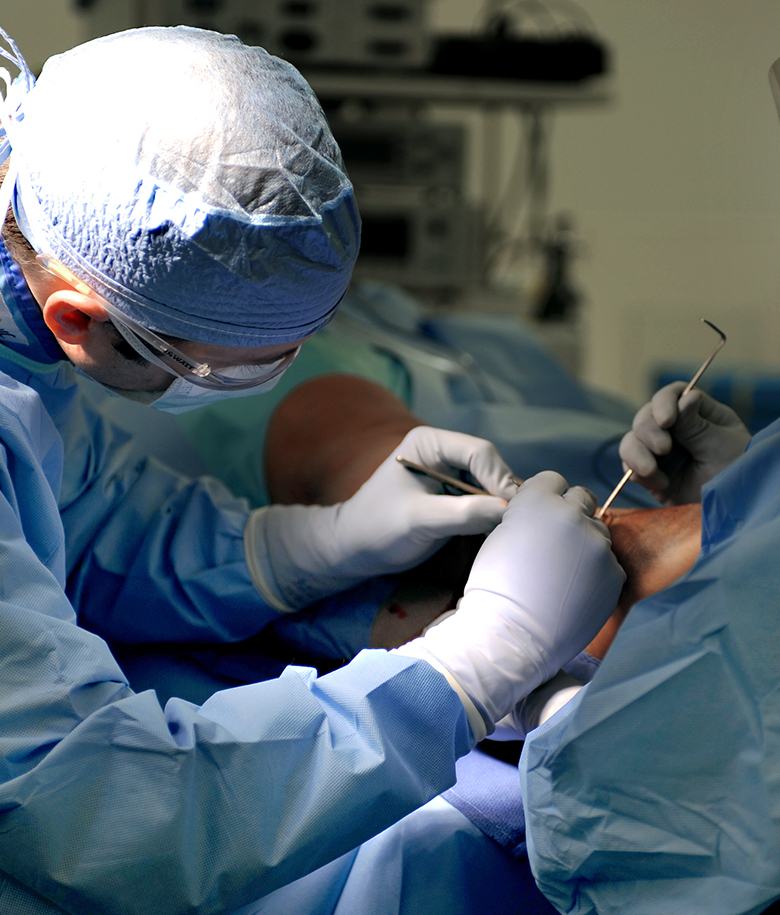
[{"x": 73, "y": 318}]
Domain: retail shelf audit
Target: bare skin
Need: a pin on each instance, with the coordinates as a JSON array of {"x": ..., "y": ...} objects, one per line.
[
  {"x": 330, "y": 434},
  {"x": 655, "y": 546}
]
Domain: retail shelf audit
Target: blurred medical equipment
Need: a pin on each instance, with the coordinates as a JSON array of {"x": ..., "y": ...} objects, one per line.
[
  {"x": 403, "y": 152},
  {"x": 558, "y": 297},
  {"x": 688, "y": 388},
  {"x": 551, "y": 40},
  {"x": 410, "y": 178},
  {"x": 496, "y": 217},
  {"x": 380, "y": 33}
]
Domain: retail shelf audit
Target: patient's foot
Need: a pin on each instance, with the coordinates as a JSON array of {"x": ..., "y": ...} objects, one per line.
[{"x": 655, "y": 546}]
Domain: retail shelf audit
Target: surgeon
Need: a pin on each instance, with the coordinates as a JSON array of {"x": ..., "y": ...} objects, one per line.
[
  {"x": 657, "y": 788},
  {"x": 178, "y": 223}
]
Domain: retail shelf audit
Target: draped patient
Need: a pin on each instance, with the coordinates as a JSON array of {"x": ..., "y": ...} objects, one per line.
[{"x": 329, "y": 435}]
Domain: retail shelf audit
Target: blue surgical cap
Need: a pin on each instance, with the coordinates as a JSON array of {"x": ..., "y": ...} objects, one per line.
[{"x": 191, "y": 180}]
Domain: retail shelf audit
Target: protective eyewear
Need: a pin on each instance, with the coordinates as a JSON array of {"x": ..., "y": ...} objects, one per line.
[
  {"x": 774, "y": 82},
  {"x": 164, "y": 354}
]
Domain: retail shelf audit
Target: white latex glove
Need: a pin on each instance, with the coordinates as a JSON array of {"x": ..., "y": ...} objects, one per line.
[
  {"x": 541, "y": 587},
  {"x": 711, "y": 434},
  {"x": 298, "y": 554},
  {"x": 537, "y": 707}
]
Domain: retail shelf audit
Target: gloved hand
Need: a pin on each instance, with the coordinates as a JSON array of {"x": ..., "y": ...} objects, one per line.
[
  {"x": 541, "y": 587},
  {"x": 711, "y": 434},
  {"x": 537, "y": 707},
  {"x": 298, "y": 554}
]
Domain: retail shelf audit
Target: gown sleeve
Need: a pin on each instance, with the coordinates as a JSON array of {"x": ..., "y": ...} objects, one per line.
[
  {"x": 153, "y": 555},
  {"x": 111, "y": 803}
]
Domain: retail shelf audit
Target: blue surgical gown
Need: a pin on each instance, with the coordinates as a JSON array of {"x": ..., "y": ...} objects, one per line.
[
  {"x": 656, "y": 791},
  {"x": 110, "y": 803}
]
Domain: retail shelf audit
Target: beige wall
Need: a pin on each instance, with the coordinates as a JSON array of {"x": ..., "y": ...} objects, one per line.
[
  {"x": 41, "y": 28},
  {"x": 675, "y": 185}
]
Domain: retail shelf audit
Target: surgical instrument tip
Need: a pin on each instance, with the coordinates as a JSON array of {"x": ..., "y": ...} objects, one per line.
[
  {"x": 442, "y": 477},
  {"x": 718, "y": 347},
  {"x": 688, "y": 388},
  {"x": 454, "y": 482}
]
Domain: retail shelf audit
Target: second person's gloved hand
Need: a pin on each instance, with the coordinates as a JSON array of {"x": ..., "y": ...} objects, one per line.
[
  {"x": 541, "y": 587},
  {"x": 711, "y": 433},
  {"x": 298, "y": 554}
]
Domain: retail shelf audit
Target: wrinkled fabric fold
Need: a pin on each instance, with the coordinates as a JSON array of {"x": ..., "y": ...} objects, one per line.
[{"x": 657, "y": 789}]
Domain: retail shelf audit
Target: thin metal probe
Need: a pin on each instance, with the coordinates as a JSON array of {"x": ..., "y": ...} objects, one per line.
[
  {"x": 688, "y": 388},
  {"x": 446, "y": 478}
]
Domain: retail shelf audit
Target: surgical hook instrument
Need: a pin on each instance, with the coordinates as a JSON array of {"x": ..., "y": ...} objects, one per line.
[{"x": 688, "y": 388}]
